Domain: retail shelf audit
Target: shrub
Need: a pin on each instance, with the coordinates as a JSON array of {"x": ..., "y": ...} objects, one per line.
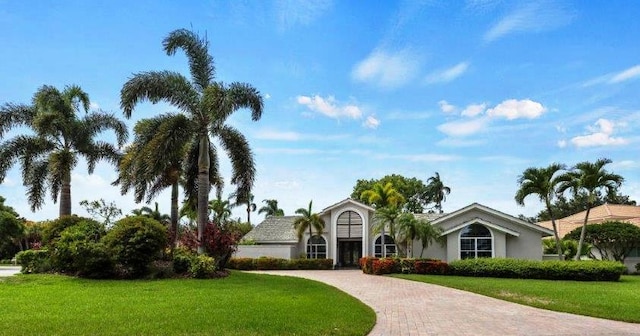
[
  {"x": 74, "y": 250},
  {"x": 181, "y": 263},
  {"x": 593, "y": 270},
  {"x": 202, "y": 267},
  {"x": 366, "y": 264},
  {"x": 244, "y": 264},
  {"x": 220, "y": 242},
  {"x": 311, "y": 264},
  {"x": 135, "y": 242},
  {"x": 431, "y": 267},
  {"x": 34, "y": 261},
  {"x": 384, "y": 266},
  {"x": 269, "y": 263},
  {"x": 614, "y": 240},
  {"x": 53, "y": 229}
]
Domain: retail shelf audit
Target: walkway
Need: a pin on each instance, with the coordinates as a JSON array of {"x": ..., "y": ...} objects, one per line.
[
  {"x": 6, "y": 271},
  {"x": 407, "y": 308}
]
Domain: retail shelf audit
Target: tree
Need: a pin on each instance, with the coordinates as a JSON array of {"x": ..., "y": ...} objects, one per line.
[
  {"x": 590, "y": 177},
  {"x": 100, "y": 209},
  {"x": 208, "y": 104},
  {"x": 12, "y": 229},
  {"x": 543, "y": 182},
  {"x": 408, "y": 227},
  {"x": 436, "y": 191},
  {"x": 382, "y": 196},
  {"x": 154, "y": 213},
  {"x": 308, "y": 220},
  {"x": 385, "y": 219},
  {"x": 271, "y": 208},
  {"x": 248, "y": 201},
  {"x": 428, "y": 234},
  {"x": 59, "y": 138},
  {"x": 156, "y": 160},
  {"x": 614, "y": 240},
  {"x": 412, "y": 190},
  {"x": 220, "y": 210}
]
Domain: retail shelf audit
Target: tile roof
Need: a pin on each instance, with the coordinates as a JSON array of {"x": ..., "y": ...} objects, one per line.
[
  {"x": 597, "y": 215},
  {"x": 274, "y": 229}
]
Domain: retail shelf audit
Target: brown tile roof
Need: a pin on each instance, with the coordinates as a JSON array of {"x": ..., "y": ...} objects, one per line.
[{"x": 597, "y": 215}]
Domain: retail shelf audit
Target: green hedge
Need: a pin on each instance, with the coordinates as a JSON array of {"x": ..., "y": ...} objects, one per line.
[
  {"x": 268, "y": 263},
  {"x": 585, "y": 270}
]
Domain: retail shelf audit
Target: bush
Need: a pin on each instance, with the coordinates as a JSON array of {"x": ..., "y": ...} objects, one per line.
[
  {"x": 181, "y": 263},
  {"x": 53, "y": 229},
  {"x": 202, "y": 267},
  {"x": 431, "y": 267},
  {"x": 243, "y": 264},
  {"x": 592, "y": 270},
  {"x": 268, "y": 263},
  {"x": 384, "y": 266},
  {"x": 135, "y": 242},
  {"x": 34, "y": 261},
  {"x": 76, "y": 250},
  {"x": 311, "y": 264},
  {"x": 220, "y": 242},
  {"x": 366, "y": 264}
]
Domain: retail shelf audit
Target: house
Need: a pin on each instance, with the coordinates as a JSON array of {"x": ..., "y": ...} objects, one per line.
[
  {"x": 473, "y": 231},
  {"x": 598, "y": 215}
]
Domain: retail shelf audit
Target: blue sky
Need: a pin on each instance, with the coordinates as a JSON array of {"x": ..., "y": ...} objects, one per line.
[{"x": 477, "y": 91}]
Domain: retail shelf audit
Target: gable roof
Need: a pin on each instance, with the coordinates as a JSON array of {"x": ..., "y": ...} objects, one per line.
[
  {"x": 597, "y": 215},
  {"x": 494, "y": 212},
  {"x": 347, "y": 201},
  {"x": 274, "y": 229}
]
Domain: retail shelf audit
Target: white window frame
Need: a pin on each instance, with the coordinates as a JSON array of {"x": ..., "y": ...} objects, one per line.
[
  {"x": 492, "y": 238},
  {"x": 311, "y": 250},
  {"x": 383, "y": 251}
]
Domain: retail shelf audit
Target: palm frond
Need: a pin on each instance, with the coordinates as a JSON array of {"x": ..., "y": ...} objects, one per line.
[
  {"x": 242, "y": 162},
  {"x": 15, "y": 115},
  {"x": 35, "y": 183},
  {"x": 200, "y": 62},
  {"x": 156, "y": 86}
]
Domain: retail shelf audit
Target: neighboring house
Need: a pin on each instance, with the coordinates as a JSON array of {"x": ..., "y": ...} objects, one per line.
[
  {"x": 473, "y": 231},
  {"x": 598, "y": 215}
]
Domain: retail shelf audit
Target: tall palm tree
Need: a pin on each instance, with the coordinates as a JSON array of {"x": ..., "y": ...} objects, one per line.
[
  {"x": 408, "y": 229},
  {"x": 544, "y": 183},
  {"x": 386, "y": 219},
  {"x": 590, "y": 177},
  {"x": 156, "y": 160},
  {"x": 308, "y": 220},
  {"x": 208, "y": 104},
  {"x": 428, "y": 234},
  {"x": 271, "y": 208},
  {"x": 248, "y": 201},
  {"x": 60, "y": 137},
  {"x": 220, "y": 209},
  {"x": 383, "y": 195},
  {"x": 437, "y": 191}
]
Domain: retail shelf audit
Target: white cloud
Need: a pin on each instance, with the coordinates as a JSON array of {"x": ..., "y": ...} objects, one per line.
[
  {"x": 458, "y": 142},
  {"x": 268, "y": 134},
  {"x": 532, "y": 17},
  {"x": 601, "y": 135},
  {"x": 330, "y": 107},
  {"x": 387, "y": 70},
  {"x": 562, "y": 143},
  {"x": 627, "y": 74},
  {"x": 267, "y": 96},
  {"x": 300, "y": 12},
  {"x": 446, "y": 107},
  {"x": 515, "y": 109},
  {"x": 463, "y": 128},
  {"x": 473, "y": 110},
  {"x": 371, "y": 122},
  {"x": 94, "y": 106},
  {"x": 449, "y": 74},
  {"x": 402, "y": 115}
]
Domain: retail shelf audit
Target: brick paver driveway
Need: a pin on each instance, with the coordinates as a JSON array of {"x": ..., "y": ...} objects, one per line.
[{"x": 412, "y": 308}]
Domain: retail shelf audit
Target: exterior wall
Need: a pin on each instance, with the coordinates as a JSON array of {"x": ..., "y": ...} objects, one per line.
[
  {"x": 331, "y": 224},
  {"x": 257, "y": 251},
  {"x": 433, "y": 251},
  {"x": 527, "y": 246},
  {"x": 631, "y": 262}
]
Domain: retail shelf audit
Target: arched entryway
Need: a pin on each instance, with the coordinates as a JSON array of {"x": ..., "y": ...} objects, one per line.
[{"x": 349, "y": 230}]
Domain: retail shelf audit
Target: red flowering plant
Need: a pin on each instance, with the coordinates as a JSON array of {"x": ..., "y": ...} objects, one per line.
[{"x": 219, "y": 241}]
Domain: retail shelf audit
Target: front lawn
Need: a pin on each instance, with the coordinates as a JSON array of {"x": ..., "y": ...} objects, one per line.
[
  {"x": 618, "y": 300},
  {"x": 241, "y": 304}
]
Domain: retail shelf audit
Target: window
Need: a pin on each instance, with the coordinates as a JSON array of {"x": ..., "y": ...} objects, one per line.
[
  {"x": 476, "y": 241},
  {"x": 389, "y": 247},
  {"x": 316, "y": 248},
  {"x": 349, "y": 225}
]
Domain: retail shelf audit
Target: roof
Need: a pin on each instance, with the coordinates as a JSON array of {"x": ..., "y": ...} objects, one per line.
[
  {"x": 274, "y": 229},
  {"x": 428, "y": 216},
  {"x": 597, "y": 215},
  {"x": 347, "y": 201},
  {"x": 500, "y": 214}
]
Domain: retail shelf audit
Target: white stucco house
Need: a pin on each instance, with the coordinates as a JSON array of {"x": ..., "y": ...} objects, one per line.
[{"x": 473, "y": 231}]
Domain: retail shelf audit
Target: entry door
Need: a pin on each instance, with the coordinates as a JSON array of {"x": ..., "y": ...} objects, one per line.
[{"x": 350, "y": 253}]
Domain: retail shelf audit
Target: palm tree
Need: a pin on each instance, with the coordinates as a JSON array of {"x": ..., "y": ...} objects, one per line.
[
  {"x": 155, "y": 161},
  {"x": 544, "y": 183},
  {"x": 408, "y": 228},
  {"x": 251, "y": 206},
  {"x": 308, "y": 220},
  {"x": 271, "y": 208},
  {"x": 590, "y": 177},
  {"x": 60, "y": 138},
  {"x": 437, "y": 191},
  {"x": 152, "y": 213},
  {"x": 386, "y": 218},
  {"x": 220, "y": 209},
  {"x": 428, "y": 234},
  {"x": 208, "y": 104},
  {"x": 383, "y": 195}
]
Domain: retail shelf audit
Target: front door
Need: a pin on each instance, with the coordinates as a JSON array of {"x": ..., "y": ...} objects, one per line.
[{"x": 349, "y": 253}]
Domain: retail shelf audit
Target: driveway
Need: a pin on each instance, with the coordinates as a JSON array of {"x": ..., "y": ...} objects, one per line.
[
  {"x": 410, "y": 308},
  {"x": 6, "y": 271}
]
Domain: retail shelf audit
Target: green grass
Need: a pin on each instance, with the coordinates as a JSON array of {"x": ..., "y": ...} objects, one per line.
[
  {"x": 610, "y": 300},
  {"x": 241, "y": 304}
]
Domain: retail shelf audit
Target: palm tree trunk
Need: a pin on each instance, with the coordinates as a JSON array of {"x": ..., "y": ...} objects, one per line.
[
  {"x": 174, "y": 216},
  {"x": 249, "y": 213},
  {"x": 65, "y": 195},
  {"x": 582, "y": 233},
  {"x": 203, "y": 189},
  {"x": 383, "y": 252},
  {"x": 555, "y": 230}
]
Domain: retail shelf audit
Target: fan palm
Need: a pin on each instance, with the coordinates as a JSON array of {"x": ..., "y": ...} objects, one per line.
[
  {"x": 308, "y": 220},
  {"x": 271, "y": 208},
  {"x": 590, "y": 177},
  {"x": 156, "y": 160},
  {"x": 543, "y": 182},
  {"x": 208, "y": 104},
  {"x": 59, "y": 138},
  {"x": 437, "y": 191}
]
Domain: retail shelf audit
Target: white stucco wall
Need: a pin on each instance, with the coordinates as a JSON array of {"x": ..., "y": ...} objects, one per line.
[{"x": 275, "y": 251}]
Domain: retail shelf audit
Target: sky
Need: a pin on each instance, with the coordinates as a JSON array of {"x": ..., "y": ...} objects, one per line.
[{"x": 475, "y": 90}]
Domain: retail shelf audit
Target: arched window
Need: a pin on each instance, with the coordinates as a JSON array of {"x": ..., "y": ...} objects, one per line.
[
  {"x": 316, "y": 248},
  {"x": 389, "y": 247},
  {"x": 349, "y": 225},
  {"x": 476, "y": 241}
]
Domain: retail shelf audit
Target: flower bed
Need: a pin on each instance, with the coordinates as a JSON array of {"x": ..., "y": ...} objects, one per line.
[{"x": 268, "y": 263}]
